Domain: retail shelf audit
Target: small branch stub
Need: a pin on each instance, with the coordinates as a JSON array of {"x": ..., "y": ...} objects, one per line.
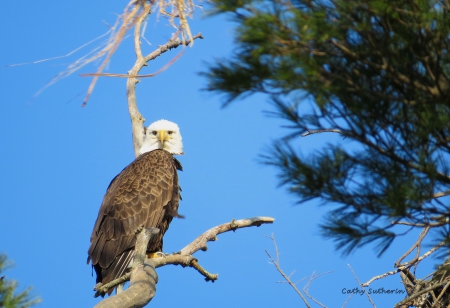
[{"x": 201, "y": 270}]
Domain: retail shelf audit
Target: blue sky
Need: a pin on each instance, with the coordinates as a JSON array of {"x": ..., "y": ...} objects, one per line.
[{"x": 57, "y": 160}]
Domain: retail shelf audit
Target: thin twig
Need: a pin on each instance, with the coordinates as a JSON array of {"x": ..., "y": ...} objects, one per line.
[
  {"x": 347, "y": 300},
  {"x": 416, "y": 244},
  {"x": 306, "y": 287},
  {"x": 356, "y": 277},
  {"x": 63, "y": 56},
  {"x": 287, "y": 279}
]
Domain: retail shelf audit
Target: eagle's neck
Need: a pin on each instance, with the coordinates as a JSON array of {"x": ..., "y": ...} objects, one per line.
[
  {"x": 146, "y": 147},
  {"x": 172, "y": 148}
]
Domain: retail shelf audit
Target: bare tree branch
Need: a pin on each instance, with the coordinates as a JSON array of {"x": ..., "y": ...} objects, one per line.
[
  {"x": 366, "y": 284},
  {"x": 416, "y": 245},
  {"x": 137, "y": 120},
  {"x": 161, "y": 49},
  {"x": 347, "y": 300},
  {"x": 318, "y": 131},
  {"x": 404, "y": 265},
  {"x": 183, "y": 258},
  {"x": 277, "y": 266}
]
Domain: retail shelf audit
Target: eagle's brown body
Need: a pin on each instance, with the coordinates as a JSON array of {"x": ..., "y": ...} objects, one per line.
[{"x": 146, "y": 193}]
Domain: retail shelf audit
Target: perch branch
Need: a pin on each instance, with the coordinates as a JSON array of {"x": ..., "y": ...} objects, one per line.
[
  {"x": 211, "y": 235},
  {"x": 143, "y": 278},
  {"x": 183, "y": 258},
  {"x": 175, "y": 259}
]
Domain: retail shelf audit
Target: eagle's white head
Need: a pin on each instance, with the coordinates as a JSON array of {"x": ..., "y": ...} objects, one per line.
[{"x": 163, "y": 135}]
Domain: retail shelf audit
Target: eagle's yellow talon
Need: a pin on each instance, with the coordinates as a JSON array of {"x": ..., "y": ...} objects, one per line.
[{"x": 154, "y": 255}]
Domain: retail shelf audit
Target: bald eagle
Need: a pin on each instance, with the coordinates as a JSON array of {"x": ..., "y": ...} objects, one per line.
[{"x": 146, "y": 193}]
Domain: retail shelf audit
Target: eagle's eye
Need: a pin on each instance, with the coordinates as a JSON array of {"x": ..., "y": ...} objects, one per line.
[
  {"x": 170, "y": 132},
  {"x": 154, "y": 132}
]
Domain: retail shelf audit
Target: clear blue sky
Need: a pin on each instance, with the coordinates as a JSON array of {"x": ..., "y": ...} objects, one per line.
[{"x": 57, "y": 160}]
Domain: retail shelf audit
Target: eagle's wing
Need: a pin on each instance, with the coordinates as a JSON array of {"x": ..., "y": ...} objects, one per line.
[{"x": 136, "y": 197}]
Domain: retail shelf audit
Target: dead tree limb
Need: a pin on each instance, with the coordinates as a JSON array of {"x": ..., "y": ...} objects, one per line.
[{"x": 137, "y": 120}]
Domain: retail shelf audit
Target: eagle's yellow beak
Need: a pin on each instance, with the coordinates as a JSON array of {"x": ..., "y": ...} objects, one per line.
[{"x": 163, "y": 136}]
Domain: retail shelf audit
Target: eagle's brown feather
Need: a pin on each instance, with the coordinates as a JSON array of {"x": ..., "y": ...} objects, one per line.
[{"x": 146, "y": 193}]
